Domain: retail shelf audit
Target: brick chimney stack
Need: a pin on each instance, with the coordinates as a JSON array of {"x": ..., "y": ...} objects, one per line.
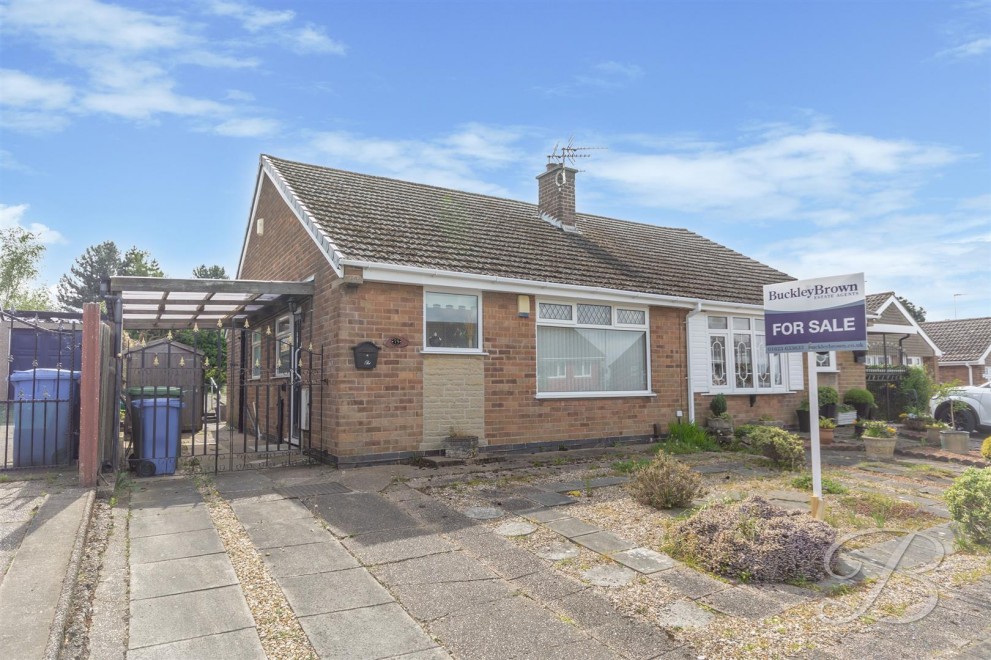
[{"x": 556, "y": 196}]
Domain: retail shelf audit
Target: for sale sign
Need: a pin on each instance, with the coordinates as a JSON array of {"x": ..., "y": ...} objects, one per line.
[{"x": 823, "y": 314}]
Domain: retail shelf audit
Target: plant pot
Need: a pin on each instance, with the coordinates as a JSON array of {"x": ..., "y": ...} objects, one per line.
[
  {"x": 828, "y": 410},
  {"x": 880, "y": 449},
  {"x": 858, "y": 430},
  {"x": 461, "y": 446},
  {"x": 863, "y": 410},
  {"x": 957, "y": 442},
  {"x": 803, "y": 420},
  {"x": 845, "y": 418},
  {"x": 932, "y": 437},
  {"x": 826, "y": 436}
]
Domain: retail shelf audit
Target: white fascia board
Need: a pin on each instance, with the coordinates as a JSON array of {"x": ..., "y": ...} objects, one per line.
[
  {"x": 912, "y": 322},
  {"x": 960, "y": 363},
  {"x": 326, "y": 246},
  {"x": 984, "y": 355},
  {"x": 397, "y": 274},
  {"x": 891, "y": 329}
]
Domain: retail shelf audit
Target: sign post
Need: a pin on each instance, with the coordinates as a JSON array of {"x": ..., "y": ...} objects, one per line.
[{"x": 812, "y": 316}]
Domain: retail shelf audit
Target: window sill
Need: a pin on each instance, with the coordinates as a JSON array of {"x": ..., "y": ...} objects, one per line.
[
  {"x": 593, "y": 395},
  {"x": 451, "y": 352},
  {"x": 742, "y": 392}
]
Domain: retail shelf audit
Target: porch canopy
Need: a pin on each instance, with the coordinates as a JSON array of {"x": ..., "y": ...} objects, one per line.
[{"x": 157, "y": 302}]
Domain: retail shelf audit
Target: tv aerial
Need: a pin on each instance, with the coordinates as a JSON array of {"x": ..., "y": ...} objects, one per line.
[{"x": 568, "y": 154}]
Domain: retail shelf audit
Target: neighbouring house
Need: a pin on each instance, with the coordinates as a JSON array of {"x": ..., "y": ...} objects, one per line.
[
  {"x": 966, "y": 347},
  {"x": 523, "y": 324}
]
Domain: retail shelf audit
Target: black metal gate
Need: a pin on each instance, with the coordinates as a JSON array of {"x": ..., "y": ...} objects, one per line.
[
  {"x": 885, "y": 384},
  {"x": 39, "y": 417}
]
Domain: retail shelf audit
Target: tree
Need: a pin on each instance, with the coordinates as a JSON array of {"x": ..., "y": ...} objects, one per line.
[
  {"x": 918, "y": 313},
  {"x": 20, "y": 252},
  {"x": 205, "y": 272},
  {"x": 82, "y": 283}
]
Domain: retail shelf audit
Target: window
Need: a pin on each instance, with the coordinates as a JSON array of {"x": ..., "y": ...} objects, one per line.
[
  {"x": 913, "y": 361},
  {"x": 826, "y": 361},
  {"x": 256, "y": 355},
  {"x": 585, "y": 348},
  {"x": 283, "y": 345},
  {"x": 451, "y": 322},
  {"x": 738, "y": 356}
]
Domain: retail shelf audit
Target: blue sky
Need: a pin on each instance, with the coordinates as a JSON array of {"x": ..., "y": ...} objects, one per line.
[{"x": 819, "y": 137}]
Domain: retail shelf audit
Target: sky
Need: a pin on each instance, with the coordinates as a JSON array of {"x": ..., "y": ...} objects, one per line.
[{"x": 819, "y": 137}]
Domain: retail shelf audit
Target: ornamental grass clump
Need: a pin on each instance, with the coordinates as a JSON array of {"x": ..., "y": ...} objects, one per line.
[
  {"x": 665, "y": 483},
  {"x": 755, "y": 541},
  {"x": 782, "y": 447},
  {"x": 986, "y": 448},
  {"x": 969, "y": 502}
]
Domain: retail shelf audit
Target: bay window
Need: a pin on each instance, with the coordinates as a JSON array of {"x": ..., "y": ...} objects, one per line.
[
  {"x": 738, "y": 356},
  {"x": 590, "y": 349}
]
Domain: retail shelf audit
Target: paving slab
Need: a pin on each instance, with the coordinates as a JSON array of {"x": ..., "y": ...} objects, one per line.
[
  {"x": 175, "y": 546},
  {"x": 294, "y": 560},
  {"x": 605, "y": 543},
  {"x": 551, "y": 499},
  {"x": 176, "y": 576},
  {"x": 547, "y": 585},
  {"x": 605, "y": 482},
  {"x": 439, "y": 517},
  {"x": 20, "y": 509},
  {"x": 513, "y": 563},
  {"x": 395, "y": 545},
  {"x": 684, "y": 614},
  {"x": 233, "y": 645},
  {"x": 505, "y": 628},
  {"x": 516, "y": 505},
  {"x": 644, "y": 560},
  {"x": 350, "y": 514},
  {"x": 484, "y": 512},
  {"x": 572, "y": 527},
  {"x": 229, "y": 483},
  {"x": 251, "y": 514},
  {"x": 557, "y": 551},
  {"x": 307, "y": 490},
  {"x": 381, "y": 631},
  {"x": 689, "y": 582},
  {"x": 546, "y": 515},
  {"x": 427, "y": 602},
  {"x": 284, "y": 533},
  {"x": 515, "y": 528},
  {"x": 587, "y": 649},
  {"x": 586, "y": 608},
  {"x": 743, "y": 601},
  {"x": 609, "y": 575},
  {"x": 332, "y": 592},
  {"x": 186, "y": 616},
  {"x": 432, "y": 569},
  {"x": 183, "y": 520},
  {"x": 634, "y": 639},
  {"x": 176, "y": 493},
  {"x": 564, "y": 486}
]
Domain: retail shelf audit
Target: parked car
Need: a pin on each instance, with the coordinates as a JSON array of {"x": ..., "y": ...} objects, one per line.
[{"x": 976, "y": 412}]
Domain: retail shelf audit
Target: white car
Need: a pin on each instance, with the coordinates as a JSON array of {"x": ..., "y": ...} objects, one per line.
[{"x": 977, "y": 410}]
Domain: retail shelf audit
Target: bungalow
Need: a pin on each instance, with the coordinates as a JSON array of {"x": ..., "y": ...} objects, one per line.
[
  {"x": 966, "y": 347},
  {"x": 523, "y": 324}
]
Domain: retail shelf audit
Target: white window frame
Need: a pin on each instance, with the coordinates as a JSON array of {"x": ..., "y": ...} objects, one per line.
[
  {"x": 913, "y": 361},
  {"x": 777, "y": 365},
  {"x": 573, "y": 323},
  {"x": 256, "y": 355},
  {"x": 282, "y": 372},
  {"x": 831, "y": 367},
  {"x": 427, "y": 348}
]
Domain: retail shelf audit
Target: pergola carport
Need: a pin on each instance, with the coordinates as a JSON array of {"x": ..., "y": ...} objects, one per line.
[{"x": 166, "y": 304}]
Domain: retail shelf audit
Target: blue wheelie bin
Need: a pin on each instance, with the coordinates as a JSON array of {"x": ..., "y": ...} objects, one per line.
[
  {"x": 46, "y": 412},
  {"x": 158, "y": 449}
]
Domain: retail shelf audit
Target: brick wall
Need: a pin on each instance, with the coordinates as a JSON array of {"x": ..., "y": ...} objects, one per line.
[{"x": 453, "y": 398}]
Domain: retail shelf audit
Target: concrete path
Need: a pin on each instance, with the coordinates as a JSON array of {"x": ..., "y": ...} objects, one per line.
[
  {"x": 185, "y": 600},
  {"x": 41, "y": 531}
]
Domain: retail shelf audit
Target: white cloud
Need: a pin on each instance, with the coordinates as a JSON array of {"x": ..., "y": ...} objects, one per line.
[
  {"x": 972, "y": 48},
  {"x": 608, "y": 75},
  {"x": 20, "y": 89},
  {"x": 252, "y": 18},
  {"x": 276, "y": 27},
  {"x": 313, "y": 39},
  {"x": 248, "y": 127},
  {"x": 811, "y": 174},
  {"x": 13, "y": 216}
]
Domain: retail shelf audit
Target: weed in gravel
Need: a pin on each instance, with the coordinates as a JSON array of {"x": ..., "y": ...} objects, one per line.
[
  {"x": 630, "y": 465},
  {"x": 687, "y": 438},
  {"x": 831, "y": 486}
]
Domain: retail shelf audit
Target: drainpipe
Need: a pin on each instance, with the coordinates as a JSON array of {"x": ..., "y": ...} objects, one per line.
[
  {"x": 688, "y": 360},
  {"x": 901, "y": 350}
]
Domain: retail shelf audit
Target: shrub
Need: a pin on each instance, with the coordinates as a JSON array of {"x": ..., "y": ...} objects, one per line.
[
  {"x": 917, "y": 388},
  {"x": 878, "y": 429},
  {"x": 718, "y": 405},
  {"x": 827, "y": 423},
  {"x": 687, "y": 438},
  {"x": 755, "y": 541},
  {"x": 666, "y": 482},
  {"x": 969, "y": 502},
  {"x": 985, "y": 447},
  {"x": 828, "y": 395},
  {"x": 784, "y": 448},
  {"x": 857, "y": 396}
]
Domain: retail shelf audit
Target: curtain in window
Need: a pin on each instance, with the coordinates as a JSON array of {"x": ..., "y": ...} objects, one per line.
[{"x": 591, "y": 360}]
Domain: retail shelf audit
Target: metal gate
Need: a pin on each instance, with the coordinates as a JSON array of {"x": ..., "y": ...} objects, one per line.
[
  {"x": 885, "y": 384},
  {"x": 39, "y": 416}
]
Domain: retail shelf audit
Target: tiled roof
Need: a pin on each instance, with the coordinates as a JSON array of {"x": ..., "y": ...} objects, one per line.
[
  {"x": 387, "y": 221},
  {"x": 875, "y": 300},
  {"x": 963, "y": 340}
]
